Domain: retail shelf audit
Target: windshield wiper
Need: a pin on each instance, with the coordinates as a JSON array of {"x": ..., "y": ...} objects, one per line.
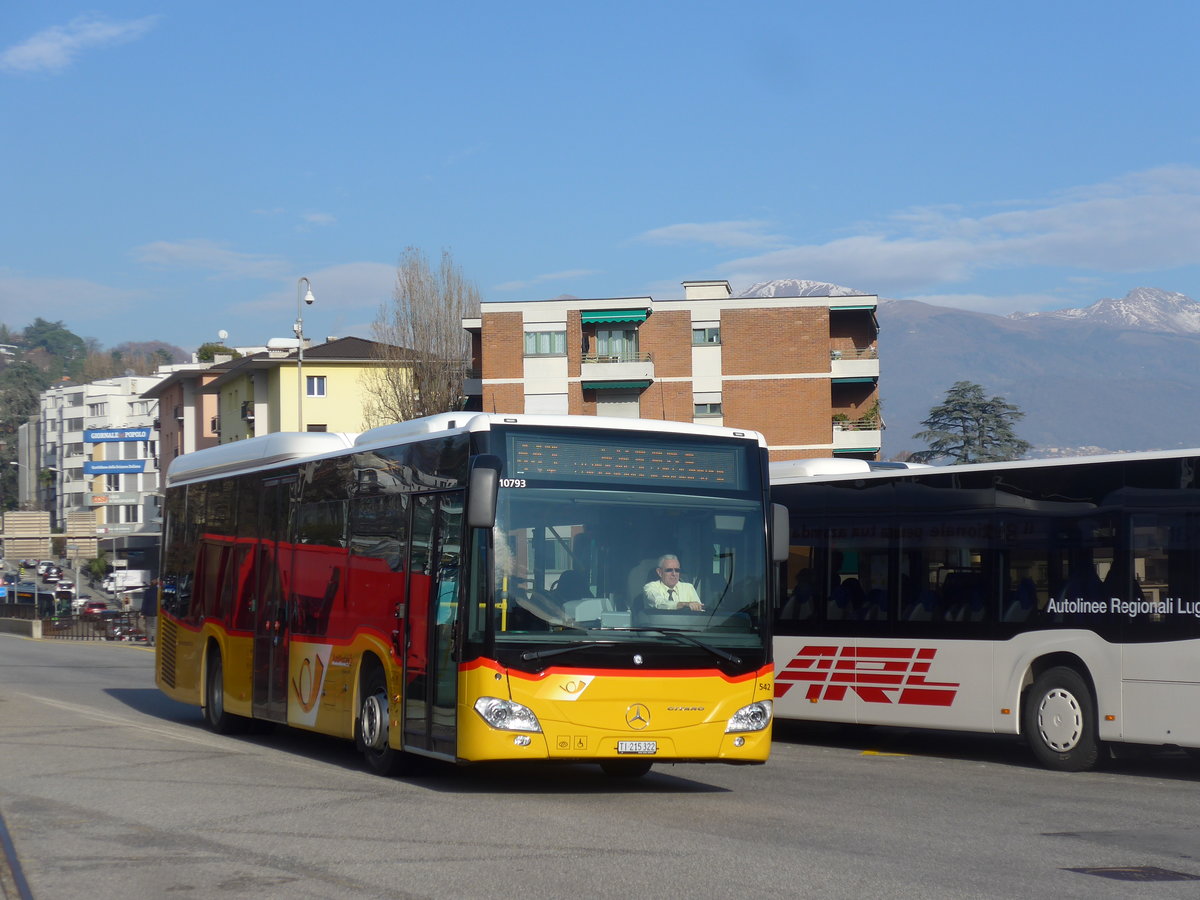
[
  {"x": 687, "y": 638},
  {"x": 555, "y": 651}
]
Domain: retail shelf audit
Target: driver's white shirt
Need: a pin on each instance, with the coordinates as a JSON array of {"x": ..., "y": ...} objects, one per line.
[{"x": 657, "y": 592}]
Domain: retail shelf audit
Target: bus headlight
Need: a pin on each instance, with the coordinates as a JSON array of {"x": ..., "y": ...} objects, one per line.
[
  {"x": 507, "y": 715},
  {"x": 754, "y": 717}
]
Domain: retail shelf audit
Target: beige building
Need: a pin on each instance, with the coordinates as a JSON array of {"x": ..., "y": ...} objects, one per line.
[
  {"x": 261, "y": 394},
  {"x": 802, "y": 370}
]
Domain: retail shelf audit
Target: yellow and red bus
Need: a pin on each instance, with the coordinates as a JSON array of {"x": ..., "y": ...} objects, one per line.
[{"x": 468, "y": 587}]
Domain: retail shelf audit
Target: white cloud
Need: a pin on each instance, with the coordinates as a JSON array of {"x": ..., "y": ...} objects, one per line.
[
  {"x": 319, "y": 219},
  {"x": 748, "y": 233},
  {"x": 1137, "y": 223},
  {"x": 998, "y": 305},
  {"x": 218, "y": 260},
  {"x": 359, "y": 287},
  {"x": 55, "y": 48},
  {"x": 565, "y": 275}
]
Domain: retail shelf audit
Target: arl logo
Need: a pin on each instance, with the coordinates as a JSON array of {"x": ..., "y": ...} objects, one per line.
[{"x": 875, "y": 674}]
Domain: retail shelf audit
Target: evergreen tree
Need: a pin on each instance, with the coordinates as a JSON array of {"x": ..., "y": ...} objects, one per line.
[
  {"x": 62, "y": 351},
  {"x": 20, "y": 387},
  {"x": 969, "y": 428}
]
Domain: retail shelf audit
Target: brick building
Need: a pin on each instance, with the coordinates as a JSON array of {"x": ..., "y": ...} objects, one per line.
[{"x": 802, "y": 370}]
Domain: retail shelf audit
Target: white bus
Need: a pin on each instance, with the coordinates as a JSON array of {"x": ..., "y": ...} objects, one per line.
[{"x": 1055, "y": 599}]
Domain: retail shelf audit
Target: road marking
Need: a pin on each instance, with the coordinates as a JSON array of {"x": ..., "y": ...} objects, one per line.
[{"x": 177, "y": 733}]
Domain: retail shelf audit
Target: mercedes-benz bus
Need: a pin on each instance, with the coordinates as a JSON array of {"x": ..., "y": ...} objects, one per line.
[
  {"x": 468, "y": 587},
  {"x": 1055, "y": 599}
]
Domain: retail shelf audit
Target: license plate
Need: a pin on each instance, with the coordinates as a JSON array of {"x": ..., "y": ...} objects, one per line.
[{"x": 644, "y": 747}]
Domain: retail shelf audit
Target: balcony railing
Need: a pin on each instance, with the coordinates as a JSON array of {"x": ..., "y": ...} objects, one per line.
[
  {"x": 617, "y": 357},
  {"x": 860, "y": 425},
  {"x": 855, "y": 353}
]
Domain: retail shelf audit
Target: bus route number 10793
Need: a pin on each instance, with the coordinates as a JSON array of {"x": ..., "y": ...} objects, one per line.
[{"x": 512, "y": 482}]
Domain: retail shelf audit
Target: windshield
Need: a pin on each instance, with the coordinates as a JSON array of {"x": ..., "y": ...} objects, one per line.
[{"x": 574, "y": 568}]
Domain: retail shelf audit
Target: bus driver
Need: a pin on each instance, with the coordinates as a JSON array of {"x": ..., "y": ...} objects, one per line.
[{"x": 669, "y": 592}]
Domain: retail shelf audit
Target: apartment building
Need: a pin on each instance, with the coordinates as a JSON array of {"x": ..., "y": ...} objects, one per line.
[
  {"x": 187, "y": 416},
  {"x": 261, "y": 393},
  {"x": 802, "y": 370},
  {"x": 98, "y": 444}
]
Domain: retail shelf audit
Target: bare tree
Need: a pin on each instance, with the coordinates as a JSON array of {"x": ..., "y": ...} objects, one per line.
[{"x": 421, "y": 348}]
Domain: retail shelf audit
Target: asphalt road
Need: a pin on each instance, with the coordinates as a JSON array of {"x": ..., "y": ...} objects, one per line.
[{"x": 109, "y": 789}]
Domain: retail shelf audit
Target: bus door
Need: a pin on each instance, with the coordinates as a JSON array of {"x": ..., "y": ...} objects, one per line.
[
  {"x": 430, "y": 665},
  {"x": 270, "y": 616}
]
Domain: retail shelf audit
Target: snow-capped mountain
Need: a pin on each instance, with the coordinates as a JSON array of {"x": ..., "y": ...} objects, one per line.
[
  {"x": 1149, "y": 309},
  {"x": 798, "y": 287},
  {"x": 1119, "y": 375}
]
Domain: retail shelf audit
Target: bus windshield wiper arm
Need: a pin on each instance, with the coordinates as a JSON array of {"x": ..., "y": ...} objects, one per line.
[
  {"x": 684, "y": 636},
  {"x": 555, "y": 651}
]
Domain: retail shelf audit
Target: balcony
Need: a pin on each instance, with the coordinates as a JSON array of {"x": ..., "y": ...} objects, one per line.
[
  {"x": 865, "y": 434},
  {"x": 624, "y": 367},
  {"x": 473, "y": 382},
  {"x": 860, "y": 362}
]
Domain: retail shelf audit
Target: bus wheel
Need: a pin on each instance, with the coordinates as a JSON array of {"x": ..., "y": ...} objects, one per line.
[
  {"x": 625, "y": 768},
  {"x": 1059, "y": 719},
  {"x": 373, "y": 718},
  {"x": 215, "y": 715}
]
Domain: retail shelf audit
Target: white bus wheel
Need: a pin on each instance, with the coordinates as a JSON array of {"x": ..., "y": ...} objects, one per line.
[{"x": 1059, "y": 720}]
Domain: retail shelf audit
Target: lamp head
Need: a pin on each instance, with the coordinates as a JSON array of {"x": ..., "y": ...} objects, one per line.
[{"x": 308, "y": 297}]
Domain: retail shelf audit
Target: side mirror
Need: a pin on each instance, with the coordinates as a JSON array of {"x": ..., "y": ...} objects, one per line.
[
  {"x": 779, "y": 532},
  {"x": 483, "y": 483}
]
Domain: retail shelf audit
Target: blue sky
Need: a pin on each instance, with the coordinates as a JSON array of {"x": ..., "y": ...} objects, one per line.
[{"x": 172, "y": 169}]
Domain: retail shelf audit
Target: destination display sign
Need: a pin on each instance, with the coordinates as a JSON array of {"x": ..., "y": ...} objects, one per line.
[{"x": 624, "y": 459}]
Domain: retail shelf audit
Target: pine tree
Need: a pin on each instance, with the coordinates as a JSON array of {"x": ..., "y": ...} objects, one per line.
[{"x": 969, "y": 427}]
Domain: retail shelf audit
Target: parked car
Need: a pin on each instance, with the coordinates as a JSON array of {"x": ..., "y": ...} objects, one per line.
[
  {"x": 120, "y": 627},
  {"x": 92, "y": 609}
]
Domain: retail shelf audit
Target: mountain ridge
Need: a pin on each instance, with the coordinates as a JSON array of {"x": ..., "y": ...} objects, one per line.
[{"x": 1116, "y": 376}]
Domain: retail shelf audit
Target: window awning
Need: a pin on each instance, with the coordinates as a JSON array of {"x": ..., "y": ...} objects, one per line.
[
  {"x": 614, "y": 385},
  {"x": 592, "y": 317},
  {"x": 858, "y": 379},
  {"x": 860, "y": 308}
]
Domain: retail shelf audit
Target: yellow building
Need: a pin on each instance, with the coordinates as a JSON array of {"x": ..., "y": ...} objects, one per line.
[{"x": 261, "y": 394}]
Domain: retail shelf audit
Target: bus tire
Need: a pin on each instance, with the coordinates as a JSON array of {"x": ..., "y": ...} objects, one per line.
[
  {"x": 371, "y": 728},
  {"x": 1059, "y": 719},
  {"x": 625, "y": 768},
  {"x": 218, "y": 719}
]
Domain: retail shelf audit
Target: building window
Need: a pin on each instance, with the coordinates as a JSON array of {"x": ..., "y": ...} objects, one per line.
[
  {"x": 97, "y": 409},
  {"x": 112, "y": 482},
  {"x": 545, "y": 343},
  {"x": 617, "y": 342},
  {"x": 706, "y": 409},
  {"x": 701, "y": 336},
  {"x": 315, "y": 385},
  {"x": 318, "y": 427}
]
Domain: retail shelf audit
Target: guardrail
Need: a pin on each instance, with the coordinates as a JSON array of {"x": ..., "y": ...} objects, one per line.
[{"x": 113, "y": 626}]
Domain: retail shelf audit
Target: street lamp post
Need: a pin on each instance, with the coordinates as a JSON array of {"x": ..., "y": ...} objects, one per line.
[{"x": 306, "y": 297}]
